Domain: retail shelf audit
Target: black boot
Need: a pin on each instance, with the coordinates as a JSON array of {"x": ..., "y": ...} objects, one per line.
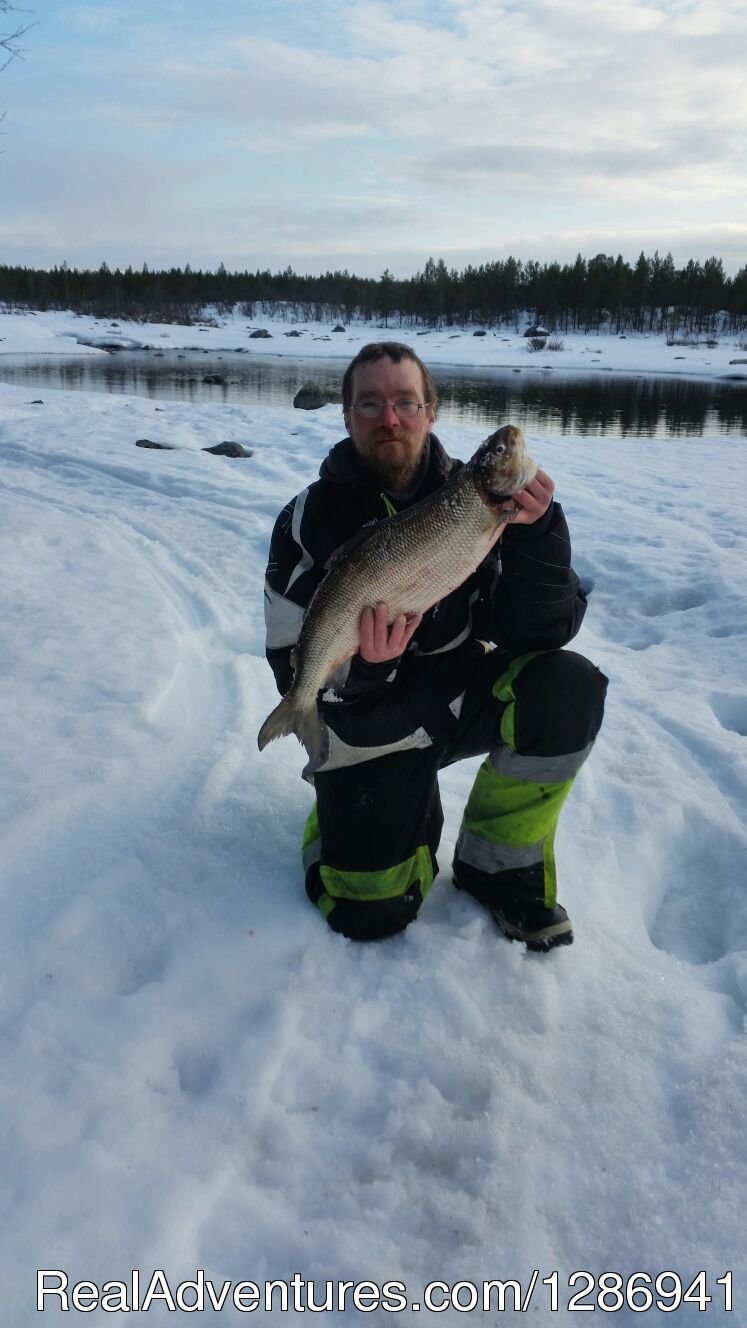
[{"x": 518, "y": 906}]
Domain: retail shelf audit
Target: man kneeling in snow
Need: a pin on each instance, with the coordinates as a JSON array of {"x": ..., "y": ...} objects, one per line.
[{"x": 422, "y": 694}]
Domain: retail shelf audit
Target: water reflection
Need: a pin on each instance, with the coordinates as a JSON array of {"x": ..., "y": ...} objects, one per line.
[
  {"x": 595, "y": 404},
  {"x": 541, "y": 401}
]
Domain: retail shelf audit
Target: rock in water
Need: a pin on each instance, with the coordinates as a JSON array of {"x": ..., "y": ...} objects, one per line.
[{"x": 312, "y": 396}]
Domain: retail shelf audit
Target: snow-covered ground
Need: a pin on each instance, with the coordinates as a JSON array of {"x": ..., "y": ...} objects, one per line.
[
  {"x": 196, "y": 1074},
  {"x": 68, "y": 333}
]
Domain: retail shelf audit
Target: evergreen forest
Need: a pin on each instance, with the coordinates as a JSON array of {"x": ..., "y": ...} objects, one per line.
[{"x": 652, "y": 295}]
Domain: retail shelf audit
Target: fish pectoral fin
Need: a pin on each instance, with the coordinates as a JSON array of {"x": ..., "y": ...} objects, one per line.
[{"x": 339, "y": 660}]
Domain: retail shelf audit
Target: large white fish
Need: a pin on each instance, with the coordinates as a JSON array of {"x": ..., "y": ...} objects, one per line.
[{"x": 409, "y": 561}]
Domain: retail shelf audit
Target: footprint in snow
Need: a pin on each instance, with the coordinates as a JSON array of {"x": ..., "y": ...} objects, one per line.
[
  {"x": 197, "y": 1070},
  {"x": 725, "y": 630},
  {"x": 730, "y": 710},
  {"x": 702, "y": 915},
  {"x": 717, "y": 757},
  {"x": 633, "y": 635},
  {"x": 669, "y": 600},
  {"x": 147, "y": 965}
]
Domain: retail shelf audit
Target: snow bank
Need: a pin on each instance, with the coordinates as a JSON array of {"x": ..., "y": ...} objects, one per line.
[
  {"x": 68, "y": 333},
  {"x": 195, "y": 1073}
]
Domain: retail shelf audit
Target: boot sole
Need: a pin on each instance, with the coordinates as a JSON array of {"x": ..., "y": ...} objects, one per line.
[{"x": 547, "y": 939}]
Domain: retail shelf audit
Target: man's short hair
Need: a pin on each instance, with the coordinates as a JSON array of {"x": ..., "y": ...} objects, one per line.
[{"x": 386, "y": 350}]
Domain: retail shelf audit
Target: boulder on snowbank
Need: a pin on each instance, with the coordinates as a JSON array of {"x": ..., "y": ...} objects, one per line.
[{"x": 312, "y": 396}]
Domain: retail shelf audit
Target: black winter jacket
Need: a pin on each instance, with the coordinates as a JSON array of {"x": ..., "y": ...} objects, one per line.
[{"x": 524, "y": 596}]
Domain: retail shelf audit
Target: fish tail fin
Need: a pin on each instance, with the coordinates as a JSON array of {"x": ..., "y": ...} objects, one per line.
[
  {"x": 280, "y": 721},
  {"x": 287, "y": 717}
]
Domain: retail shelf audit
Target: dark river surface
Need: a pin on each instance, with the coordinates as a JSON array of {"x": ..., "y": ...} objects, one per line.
[{"x": 541, "y": 400}]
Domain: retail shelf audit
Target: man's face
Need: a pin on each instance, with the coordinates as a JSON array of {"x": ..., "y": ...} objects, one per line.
[{"x": 391, "y": 447}]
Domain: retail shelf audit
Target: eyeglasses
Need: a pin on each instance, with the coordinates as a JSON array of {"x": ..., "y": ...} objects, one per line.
[{"x": 405, "y": 408}]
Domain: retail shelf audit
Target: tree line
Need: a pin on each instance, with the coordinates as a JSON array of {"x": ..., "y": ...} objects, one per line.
[{"x": 651, "y": 295}]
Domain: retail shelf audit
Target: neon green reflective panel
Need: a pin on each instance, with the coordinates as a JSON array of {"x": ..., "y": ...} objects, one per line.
[
  {"x": 551, "y": 875},
  {"x": 387, "y": 884},
  {"x": 390, "y": 508},
  {"x": 509, "y": 811},
  {"x": 311, "y": 830},
  {"x": 513, "y": 811},
  {"x": 325, "y": 904},
  {"x": 508, "y": 726},
  {"x": 503, "y": 690}
]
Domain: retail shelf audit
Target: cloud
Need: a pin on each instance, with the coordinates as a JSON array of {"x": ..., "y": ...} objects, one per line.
[
  {"x": 686, "y": 165},
  {"x": 427, "y": 128},
  {"x": 632, "y": 78}
]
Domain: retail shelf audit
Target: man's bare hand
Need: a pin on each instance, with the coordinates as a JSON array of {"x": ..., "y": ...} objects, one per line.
[
  {"x": 379, "y": 641},
  {"x": 534, "y": 500}
]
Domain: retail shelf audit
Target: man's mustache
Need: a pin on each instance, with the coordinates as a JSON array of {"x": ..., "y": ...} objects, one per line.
[{"x": 386, "y": 435}]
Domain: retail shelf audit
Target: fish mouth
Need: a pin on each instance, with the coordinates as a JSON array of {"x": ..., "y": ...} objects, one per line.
[{"x": 496, "y": 499}]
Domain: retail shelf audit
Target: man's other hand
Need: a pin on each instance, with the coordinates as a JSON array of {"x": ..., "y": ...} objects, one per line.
[
  {"x": 534, "y": 500},
  {"x": 379, "y": 641}
]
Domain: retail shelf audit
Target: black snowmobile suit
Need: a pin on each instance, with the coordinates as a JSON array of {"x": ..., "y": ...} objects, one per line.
[{"x": 370, "y": 842}]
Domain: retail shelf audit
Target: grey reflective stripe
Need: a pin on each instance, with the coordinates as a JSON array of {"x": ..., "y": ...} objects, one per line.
[
  {"x": 538, "y": 769},
  {"x": 312, "y": 853},
  {"x": 335, "y": 754},
  {"x": 307, "y": 562},
  {"x": 283, "y": 619},
  {"x": 476, "y": 852},
  {"x": 455, "y": 706}
]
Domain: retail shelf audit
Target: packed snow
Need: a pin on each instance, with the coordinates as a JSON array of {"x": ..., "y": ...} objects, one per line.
[{"x": 198, "y": 1074}]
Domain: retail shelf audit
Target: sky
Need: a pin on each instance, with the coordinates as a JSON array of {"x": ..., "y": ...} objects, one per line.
[{"x": 262, "y": 133}]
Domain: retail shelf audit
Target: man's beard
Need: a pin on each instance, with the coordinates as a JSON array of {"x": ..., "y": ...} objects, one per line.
[{"x": 396, "y": 472}]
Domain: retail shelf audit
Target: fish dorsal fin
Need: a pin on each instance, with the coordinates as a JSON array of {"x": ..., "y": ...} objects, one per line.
[{"x": 350, "y": 545}]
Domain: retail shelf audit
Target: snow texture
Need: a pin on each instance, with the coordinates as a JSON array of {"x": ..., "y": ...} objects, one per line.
[{"x": 196, "y": 1073}]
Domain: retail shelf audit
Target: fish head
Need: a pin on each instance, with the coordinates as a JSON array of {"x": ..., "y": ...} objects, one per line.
[{"x": 502, "y": 466}]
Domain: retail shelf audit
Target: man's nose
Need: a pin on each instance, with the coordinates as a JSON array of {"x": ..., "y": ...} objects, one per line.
[{"x": 389, "y": 415}]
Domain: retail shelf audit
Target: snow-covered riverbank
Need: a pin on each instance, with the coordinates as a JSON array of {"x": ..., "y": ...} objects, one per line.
[
  {"x": 68, "y": 333},
  {"x": 195, "y": 1073}
]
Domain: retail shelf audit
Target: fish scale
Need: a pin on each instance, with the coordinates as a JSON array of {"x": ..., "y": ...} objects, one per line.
[{"x": 409, "y": 561}]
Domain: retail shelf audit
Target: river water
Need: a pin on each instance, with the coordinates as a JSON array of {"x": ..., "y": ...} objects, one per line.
[{"x": 540, "y": 400}]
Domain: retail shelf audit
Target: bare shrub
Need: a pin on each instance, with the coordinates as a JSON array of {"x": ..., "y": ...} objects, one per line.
[
  {"x": 536, "y": 343},
  {"x": 556, "y": 343}
]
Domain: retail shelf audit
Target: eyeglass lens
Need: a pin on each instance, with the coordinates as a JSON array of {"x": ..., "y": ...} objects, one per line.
[{"x": 404, "y": 408}]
